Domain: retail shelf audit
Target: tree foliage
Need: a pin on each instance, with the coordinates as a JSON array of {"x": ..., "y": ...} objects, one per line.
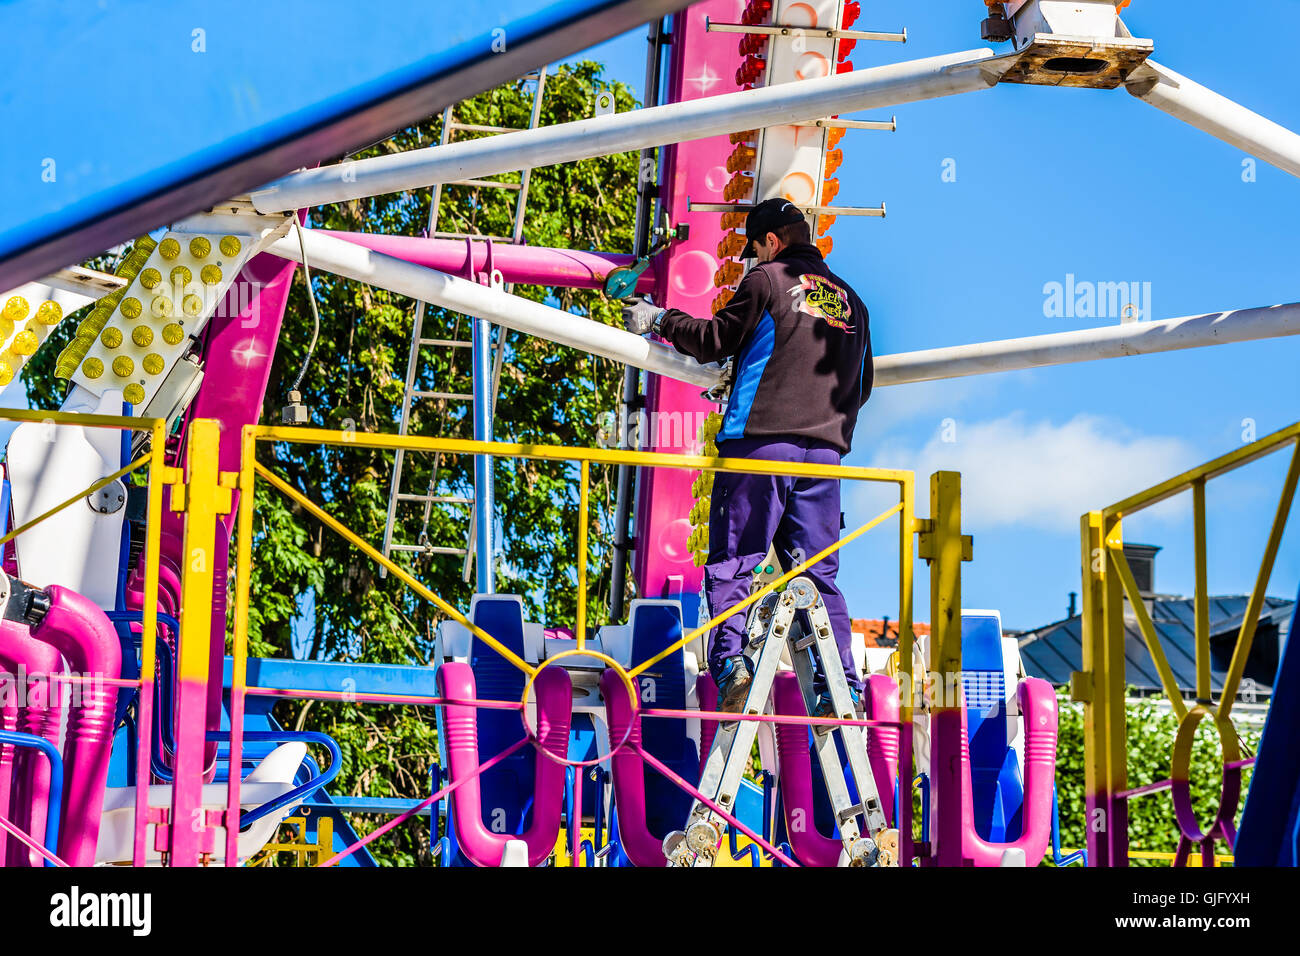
[{"x": 547, "y": 394}]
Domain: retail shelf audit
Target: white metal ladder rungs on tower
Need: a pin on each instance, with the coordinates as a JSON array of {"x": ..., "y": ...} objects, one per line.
[
  {"x": 794, "y": 620},
  {"x": 411, "y": 393}
]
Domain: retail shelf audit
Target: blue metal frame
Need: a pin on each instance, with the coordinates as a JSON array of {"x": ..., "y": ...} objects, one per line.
[{"x": 54, "y": 808}]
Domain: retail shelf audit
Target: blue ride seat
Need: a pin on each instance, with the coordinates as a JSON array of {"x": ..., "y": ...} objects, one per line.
[
  {"x": 507, "y": 788},
  {"x": 993, "y": 725},
  {"x": 656, "y": 625}
]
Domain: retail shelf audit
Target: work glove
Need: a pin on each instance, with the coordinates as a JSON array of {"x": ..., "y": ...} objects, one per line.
[{"x": 640, "y": 315}]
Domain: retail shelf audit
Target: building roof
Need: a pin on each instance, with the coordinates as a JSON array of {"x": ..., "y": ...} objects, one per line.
[
  {"x": 875, "y": 632},
  {"x": 1053, "y": 651}
]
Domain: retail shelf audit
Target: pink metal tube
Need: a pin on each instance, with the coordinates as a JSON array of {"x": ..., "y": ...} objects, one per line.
[
  {"x": 1038, "y": 711},
  {"x": 706, "y": 693},
  {"x": 8, "y": 722},
  {"x": 37, "y": 711},
  {"x": 881, "y": 700},
  {"x": 628, "y": 772},
  {"x": 554, "y": 712},
  {"x": 89, "y": 642},
  {"x": 809, "y": 845},
  {"x": 527, "y": 265}
]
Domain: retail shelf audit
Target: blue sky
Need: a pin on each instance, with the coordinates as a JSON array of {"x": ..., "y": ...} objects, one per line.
[{"x": 1049, "y": 183}]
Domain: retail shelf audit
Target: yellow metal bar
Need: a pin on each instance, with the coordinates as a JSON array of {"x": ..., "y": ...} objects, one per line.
[
  {"x": 79, "y": 496},
  {"x": 765, "y": 590},
  {"x": 600, "y": 456},
  {"x": 149, "y": 635},
  {"x": 1211, "y": 469},
  {"x": 945, "y": 580},
  {"x": 1232, "y": 680},
  {"x": 397, "y": 570},
  {"x": 584, "y": 490},
  {"x": 204, "y": 500},
  {"x": 1115, "y": 555},
  {"x": 906, "y": 639},
  {"x": 1201, "y": 603},
  {"x": 78, "y": 418},
  {"x": 1093, "y": 684},
  {"x": 239, "y": 651},
  {"x": 1115, "y": 643}
]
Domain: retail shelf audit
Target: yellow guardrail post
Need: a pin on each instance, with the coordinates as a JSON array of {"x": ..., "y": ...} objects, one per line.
[
  {"x": 204, "y": 496},
  {"x": 945, "y": 547}
]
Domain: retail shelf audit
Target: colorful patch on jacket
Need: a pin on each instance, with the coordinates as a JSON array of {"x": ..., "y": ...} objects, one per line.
[{"x": 820, "y": 297}]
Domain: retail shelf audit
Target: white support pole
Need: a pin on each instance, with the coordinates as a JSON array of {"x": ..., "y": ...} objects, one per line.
[
  {"x": 873, "y": 88},
  {"x": 1086, "y": 345},
  {"x": 1217, "y": 115},
  {"x": 514, "y": 312}
]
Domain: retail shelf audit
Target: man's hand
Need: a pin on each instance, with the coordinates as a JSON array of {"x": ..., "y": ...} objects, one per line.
[{"x": 639, "y": 315}]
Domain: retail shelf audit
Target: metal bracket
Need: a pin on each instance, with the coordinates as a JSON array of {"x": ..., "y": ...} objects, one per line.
[{"x": 790, "y": 30}]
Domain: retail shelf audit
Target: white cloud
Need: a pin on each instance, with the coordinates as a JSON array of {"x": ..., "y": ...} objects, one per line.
[{"x": 1042, "y": 475}]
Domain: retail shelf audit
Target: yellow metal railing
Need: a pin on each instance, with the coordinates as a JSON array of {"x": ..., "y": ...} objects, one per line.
[
  {"x": 158, "y": 474},
  {"x": 252, "y": 470},
  {"x": 1100, "y": 686}
]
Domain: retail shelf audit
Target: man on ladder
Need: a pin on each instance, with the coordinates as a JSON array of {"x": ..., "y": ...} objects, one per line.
[{"x": 801, "y": 346}]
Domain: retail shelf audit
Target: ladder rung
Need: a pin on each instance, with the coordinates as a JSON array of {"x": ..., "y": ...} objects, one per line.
[
  {"x": 449, "y": 343},
  {"x": 427, "y": 550},
  {"x": 484, "y": 183},
  {"x": 436, "y": 499},
  {"x": 471, "y": 235},
  {"x": 450, "y": 396},
  {"x": 478, "y": 128}
]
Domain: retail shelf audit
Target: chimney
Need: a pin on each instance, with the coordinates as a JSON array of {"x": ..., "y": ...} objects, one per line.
[
  {"x": 1142, "y": 560},
  {"x": 1073, "y": 597}
]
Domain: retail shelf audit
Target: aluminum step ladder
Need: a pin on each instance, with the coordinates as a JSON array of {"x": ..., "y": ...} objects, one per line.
[
  {"x": 453, "y": 343},
  {"x": 793, "y": 620}
]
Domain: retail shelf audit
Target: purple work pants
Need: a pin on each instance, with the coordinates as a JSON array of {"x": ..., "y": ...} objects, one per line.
[{"x": 800, "y": 516}]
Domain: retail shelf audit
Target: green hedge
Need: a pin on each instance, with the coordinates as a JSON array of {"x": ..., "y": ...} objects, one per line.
[{"x": 1151, "y": 824}]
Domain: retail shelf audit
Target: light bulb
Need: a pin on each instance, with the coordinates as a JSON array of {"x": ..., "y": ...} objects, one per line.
[
  {"x": 15, "y": 310},
  {"x": 133, "y": 393},
  {"x": 25, "y": 343},
  {"x": 49, "y": 312},
  {"x": 192, "y": 305},
  {"x": 153, "y": 363},
  {"x": 123, "y": 366},
  {"x": 111, "y": 337},
  {"x": 229, "y": 246},
  {"x": 182, "y": 276},
  {"x": 200, "y": 247},
  {"x": 169, "y": 248},
  {"x": 131, "y": 307},
  {"x": 92, "y": 368},
  {"x": 150, "y": 278},
  {"x": 142, "y": 336},
  {"x": 210, "y": 275},
  {"x": 161, "y": 307},
  {"x": 173, "y": 333}
]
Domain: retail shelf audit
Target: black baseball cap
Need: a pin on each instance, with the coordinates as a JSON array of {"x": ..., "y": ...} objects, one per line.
[{"x": 768, "y": 216}]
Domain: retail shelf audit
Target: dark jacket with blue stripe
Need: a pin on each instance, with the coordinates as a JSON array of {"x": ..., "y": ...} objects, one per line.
[{"x": 802, "y": 350}]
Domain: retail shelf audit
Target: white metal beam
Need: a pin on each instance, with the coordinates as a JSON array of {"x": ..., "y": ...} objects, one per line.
[
  {"x": 514, "y": 312},
  {"x": 873, "y": 88},
  {"x": 1217, "y": 115},
  {"x": 1086, "y": 345}
]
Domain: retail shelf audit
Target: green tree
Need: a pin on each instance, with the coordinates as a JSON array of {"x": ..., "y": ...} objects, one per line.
[{"x": 547, "y": 395}]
